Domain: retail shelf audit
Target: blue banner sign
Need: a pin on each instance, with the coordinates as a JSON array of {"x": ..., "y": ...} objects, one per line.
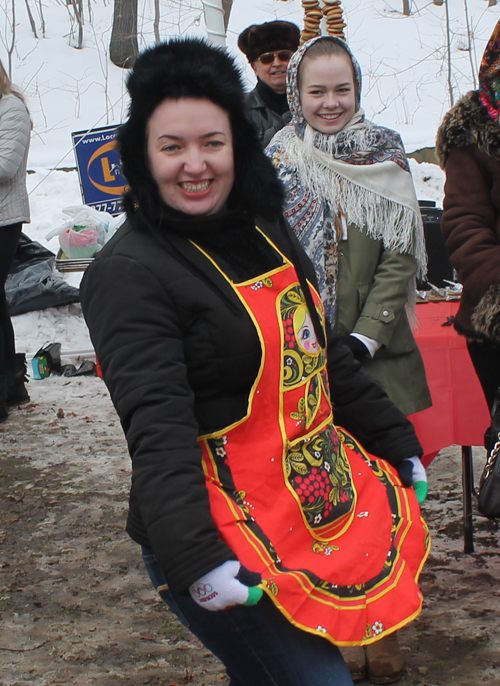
[{"x": 98, "y": 162}]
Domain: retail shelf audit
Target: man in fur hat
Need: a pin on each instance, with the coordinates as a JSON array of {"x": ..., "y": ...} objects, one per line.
[{"x": 268, "y": 48}]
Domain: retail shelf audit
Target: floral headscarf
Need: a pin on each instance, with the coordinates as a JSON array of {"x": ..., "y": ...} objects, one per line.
[
  {"x": 489, "y": 75},
  {"x": 292, "y": 76},
  {"x": 359, "y": 175},
  {"x": 371, "y": 148}
]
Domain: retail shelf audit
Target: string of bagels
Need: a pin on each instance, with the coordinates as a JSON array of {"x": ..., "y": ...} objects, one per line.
[{"x": 314, "y": 13}]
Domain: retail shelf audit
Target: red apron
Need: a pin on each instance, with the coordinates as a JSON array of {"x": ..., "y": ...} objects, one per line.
[{"x": 339, "y": 542}]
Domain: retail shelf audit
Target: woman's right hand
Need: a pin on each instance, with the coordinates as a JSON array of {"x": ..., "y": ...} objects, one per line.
[
  {"x": 412, "y": 473},
  {"x": 222, "y": 588}
]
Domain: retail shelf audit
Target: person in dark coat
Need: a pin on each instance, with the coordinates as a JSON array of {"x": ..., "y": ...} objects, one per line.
[
  {"x": 266, "y": 527},
  {"x": 468, "y": 148},
  {"x": 268, "y": 47}
]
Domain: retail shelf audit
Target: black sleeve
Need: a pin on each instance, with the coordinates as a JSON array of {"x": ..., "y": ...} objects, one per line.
[
  {"x": 362, "y": 407},
  {"x": 138, "y": 340}
]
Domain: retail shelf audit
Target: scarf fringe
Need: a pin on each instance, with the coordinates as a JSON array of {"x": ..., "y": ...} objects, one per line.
[
  {"x": 355, "y": 137},
  {"x": 398, "y": 226}
]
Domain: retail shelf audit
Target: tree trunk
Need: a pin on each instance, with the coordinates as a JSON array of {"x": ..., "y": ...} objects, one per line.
[
  {"x": 226, "y": 6},
  {"x": 156, "y": 23},
  {"x": 123, "y": 47},
  {"x": 215, "y": 22},
  {"x": 31, "y": 20}
]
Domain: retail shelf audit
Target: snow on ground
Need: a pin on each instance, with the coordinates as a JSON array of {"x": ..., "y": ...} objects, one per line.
[
  {"x": 429, "y": 181},
  {"x": 50, "y": 192}
]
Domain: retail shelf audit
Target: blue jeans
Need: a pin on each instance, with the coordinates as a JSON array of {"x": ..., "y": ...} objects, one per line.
[{"x": 258, "y": 645}]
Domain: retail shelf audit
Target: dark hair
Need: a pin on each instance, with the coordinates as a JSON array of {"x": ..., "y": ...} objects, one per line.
[{"x": 191, "y": 68}]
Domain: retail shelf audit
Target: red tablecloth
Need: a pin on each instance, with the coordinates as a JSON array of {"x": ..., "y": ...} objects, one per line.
[{"x": 459, "y": 414}]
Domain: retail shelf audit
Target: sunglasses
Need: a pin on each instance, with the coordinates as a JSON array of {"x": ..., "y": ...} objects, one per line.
[{"x": 282, "y": 55}]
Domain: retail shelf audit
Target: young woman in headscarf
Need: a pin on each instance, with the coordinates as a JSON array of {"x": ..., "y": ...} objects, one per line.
[
  {"x": 351, "y": 202},
  {"x": 205, "y": 317},
  {"x": 468, "y": 147}
]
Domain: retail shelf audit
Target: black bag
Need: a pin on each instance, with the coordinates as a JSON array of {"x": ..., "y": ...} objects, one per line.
[
  {"x": 33, "y": 283},
  {"x": 488, "y": 499}
]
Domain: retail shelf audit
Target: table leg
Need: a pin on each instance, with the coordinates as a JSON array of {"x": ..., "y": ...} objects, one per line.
[{"x": 467, "y": 489}]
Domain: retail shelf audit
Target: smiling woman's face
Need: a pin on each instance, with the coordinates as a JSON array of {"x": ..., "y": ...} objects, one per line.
[
  {"x": 190, "y": 153},
  {"x": 327, "y": 92}
]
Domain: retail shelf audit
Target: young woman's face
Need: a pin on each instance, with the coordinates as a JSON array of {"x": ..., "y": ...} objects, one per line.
[
  {"x": 190, "y": 153},
  {"x": 327, "y": 92}
]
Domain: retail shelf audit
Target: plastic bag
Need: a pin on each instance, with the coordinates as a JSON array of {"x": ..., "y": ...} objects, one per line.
[
  {"x": 32, "y": 283},
  {"x": 80, "y": 241},
  {"x": 85, "y": 232}
]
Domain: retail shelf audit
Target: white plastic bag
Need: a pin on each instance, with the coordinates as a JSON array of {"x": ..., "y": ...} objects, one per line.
[{"x": 85, "y": 232}]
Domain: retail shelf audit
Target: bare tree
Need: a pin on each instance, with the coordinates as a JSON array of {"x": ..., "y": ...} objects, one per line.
[
  {"x": 227, "y": 6},
  {"x": 469, "y": 43},
  {"x": 123, "y": 47},
  {"x": 31, "y": 20},
  {"x": 156, "y": 22},
  {"x": 215, "y": 21},
  {"x": 448, "y": 48},
  {"x": 42, "y": 18},
  {"x": 77, "y": 15},
  {"x": 406, "y": 7}
]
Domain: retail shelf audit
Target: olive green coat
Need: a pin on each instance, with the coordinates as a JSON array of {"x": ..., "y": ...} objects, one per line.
[{"x": 372, "y": 294}]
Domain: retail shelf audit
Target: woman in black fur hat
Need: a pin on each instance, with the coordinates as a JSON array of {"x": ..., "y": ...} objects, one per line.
[{"x": 266, "y": 528}]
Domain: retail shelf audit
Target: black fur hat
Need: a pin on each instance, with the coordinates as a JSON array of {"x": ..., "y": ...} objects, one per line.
[
  {"x": 192, "y": 68},
  {"x": 268, "y": 37}
]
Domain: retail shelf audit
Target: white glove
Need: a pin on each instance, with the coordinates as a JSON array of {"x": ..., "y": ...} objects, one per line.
[
  {"x": 219, "y": 589},
  {"x": 419, "y": 478}
]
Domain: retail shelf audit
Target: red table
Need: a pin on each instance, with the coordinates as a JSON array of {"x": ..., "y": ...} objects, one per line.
[{"x": 459, "y": 413}]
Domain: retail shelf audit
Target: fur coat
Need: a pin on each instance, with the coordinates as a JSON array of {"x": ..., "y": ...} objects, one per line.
[{"x": 468, "y": 149}]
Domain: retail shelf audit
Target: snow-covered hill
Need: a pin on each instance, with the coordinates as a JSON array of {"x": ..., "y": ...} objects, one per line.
[{"x": 404, "y": 59}]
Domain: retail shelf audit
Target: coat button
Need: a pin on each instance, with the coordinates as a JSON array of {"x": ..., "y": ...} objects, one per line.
[
  {"x": 341, "y": 254},
  {"x": 385, "y": 313}
]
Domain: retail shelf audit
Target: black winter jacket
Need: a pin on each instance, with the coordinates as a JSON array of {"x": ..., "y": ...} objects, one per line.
[
  {"x": 179, "y": 355},
  {"x": 266, "y": 120}
]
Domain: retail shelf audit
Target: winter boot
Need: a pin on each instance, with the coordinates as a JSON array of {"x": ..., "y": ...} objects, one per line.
[
  {"x": 355, "y": 660},
  {"x": 16, "y": 378},
  {"x": 385, "y": 661},
  {"x": 3, "y": 399}
]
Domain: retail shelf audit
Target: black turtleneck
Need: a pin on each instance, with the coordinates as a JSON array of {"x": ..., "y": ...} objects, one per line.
[
  {"x": 277, "y": 102},
  {"x": 233, "y": 242},
  {"x": 229, "y": 237}
]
